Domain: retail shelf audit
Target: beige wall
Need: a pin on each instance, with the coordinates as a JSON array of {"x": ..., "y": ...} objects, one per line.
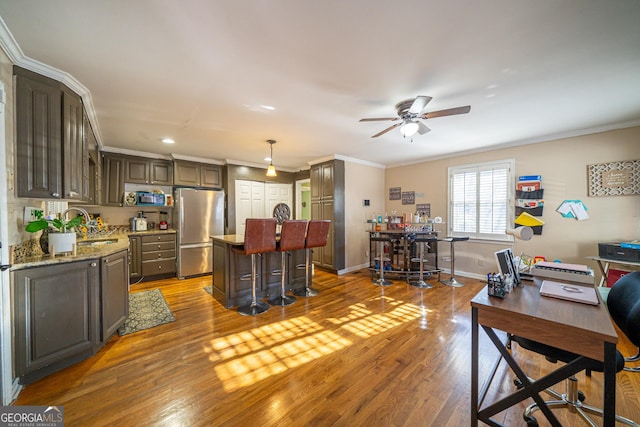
[
  {"x": 563, "y": 166},
  {"x": 361, "y": 182}
]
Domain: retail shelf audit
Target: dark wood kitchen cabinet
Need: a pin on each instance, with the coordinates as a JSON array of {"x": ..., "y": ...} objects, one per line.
[
  {"x": 56, "y": 317},
  {"x": 93, "y": 177},
  {"x": 114, "y": 293},
  {"x": 112, "y": 179},
  {"x": 140, "y": 170},
  {"x": 135, "y": 258},
  {"x": 38, "y": 135},
  {"x": 158, "y": 255},
  {"x": 327, "y": 202},
  {"x": 193, "y": 174},
  {"x": 51, "y": 153},
  {"x": 75, "y": 155}
]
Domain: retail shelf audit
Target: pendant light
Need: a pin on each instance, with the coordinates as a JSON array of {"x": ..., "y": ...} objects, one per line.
[{"x": 271, "y": 170}]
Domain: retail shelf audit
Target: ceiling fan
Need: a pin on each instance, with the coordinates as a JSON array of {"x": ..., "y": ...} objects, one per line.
[{"x": 409, "y": 111}]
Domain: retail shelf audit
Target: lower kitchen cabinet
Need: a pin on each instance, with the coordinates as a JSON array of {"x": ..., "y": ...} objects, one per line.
[
  {"x": 114, "y": 293},
  {"x": 153, "y": 256},
  {"x": 56, "y": 317},
  {"x": 63, "y": 313},
  {"x": 135, "y": 261}
]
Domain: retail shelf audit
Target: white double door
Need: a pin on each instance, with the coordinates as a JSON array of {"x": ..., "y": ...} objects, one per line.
[{"x": 256, "y": 199}]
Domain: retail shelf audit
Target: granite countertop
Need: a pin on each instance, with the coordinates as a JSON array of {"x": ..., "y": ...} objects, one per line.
[
  {"x": 230, "y": 239},
  {"x": 87, "y": 248}
]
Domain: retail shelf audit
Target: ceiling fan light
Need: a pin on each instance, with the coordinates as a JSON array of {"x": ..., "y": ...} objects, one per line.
[
  {"x": 409, "y": 128},
  {"x": 271, "y": 170}
]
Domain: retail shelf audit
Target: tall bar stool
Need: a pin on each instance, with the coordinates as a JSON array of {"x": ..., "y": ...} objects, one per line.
[
  {"x": 292, "y": 238},
  {"x": 421, "y": 241},
  {"x": 259, "y": 238},
  {"x": 452, "y": 281},
  {"x": 317, "y": 233},
  {"x": 380, "y": 242}
]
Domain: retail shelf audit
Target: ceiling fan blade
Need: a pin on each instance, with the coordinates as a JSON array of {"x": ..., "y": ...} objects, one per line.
[
  {"x": 419, "y": 104},
  {"x": 390, "y": 119},
  {"x": 386, "y": 130},
  {"x": 422, "y": 128},
  {"x": 449, "y": 112}
]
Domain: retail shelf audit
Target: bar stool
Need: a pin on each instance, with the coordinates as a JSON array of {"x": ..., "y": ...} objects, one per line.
[
  {"x": 259, "y": 238},
  {"x": 421, "y": 241},
  {"x": 317, "y": 233},
  {"x": 292, "y": 238},
  {"x": 452, "y": 281},
  {"x": 381, "y": 240}
]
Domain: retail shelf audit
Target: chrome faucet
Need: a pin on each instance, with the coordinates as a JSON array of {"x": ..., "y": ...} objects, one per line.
[{"x": 84, "y": 213}]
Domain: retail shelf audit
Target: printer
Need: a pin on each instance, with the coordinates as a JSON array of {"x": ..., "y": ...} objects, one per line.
[{"x": 624, "y": 251}]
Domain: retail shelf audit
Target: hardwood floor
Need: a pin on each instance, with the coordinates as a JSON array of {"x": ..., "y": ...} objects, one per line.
[{"x": 356, "y": 355}]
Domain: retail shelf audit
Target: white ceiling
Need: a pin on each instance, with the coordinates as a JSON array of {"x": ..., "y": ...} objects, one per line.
[{"x": 200, "y": 70}]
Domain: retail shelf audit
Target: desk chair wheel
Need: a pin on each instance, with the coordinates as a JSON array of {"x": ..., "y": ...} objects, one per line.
[
  {"x": 531, "y": 421},
  {"x": 519, "y": 385}
]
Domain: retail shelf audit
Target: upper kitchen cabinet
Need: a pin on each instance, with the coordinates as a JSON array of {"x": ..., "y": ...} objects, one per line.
[
  {"x": 112, "y": 179},
  {"x": 38, "y": 135},
  {"x": 74, "y": 150},
  {"x": 51, "y": 154},
  {"x": 140, "y": 170},
  {"x": 327, "y": 202},
  {"x": 193, "y": 174},
  {"x": 93, "y": 178}
]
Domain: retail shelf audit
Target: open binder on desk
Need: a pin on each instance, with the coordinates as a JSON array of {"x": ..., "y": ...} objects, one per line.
[{"x": 575, "y": 293}]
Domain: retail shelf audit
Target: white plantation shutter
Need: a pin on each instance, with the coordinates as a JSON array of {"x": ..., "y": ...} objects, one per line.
[{"x": 480, "y": 200}]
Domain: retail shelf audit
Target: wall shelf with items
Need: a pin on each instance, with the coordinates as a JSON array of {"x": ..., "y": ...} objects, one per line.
[{"x": 529, "y": 202}]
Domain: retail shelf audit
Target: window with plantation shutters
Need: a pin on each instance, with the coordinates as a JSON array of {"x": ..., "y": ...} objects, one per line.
[{"x": 480, "y": 198}]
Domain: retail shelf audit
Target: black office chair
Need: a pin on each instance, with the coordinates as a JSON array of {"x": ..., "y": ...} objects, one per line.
[{"x": 624, "y": 305}]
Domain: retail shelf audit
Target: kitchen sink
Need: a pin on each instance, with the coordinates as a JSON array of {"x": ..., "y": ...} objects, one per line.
[{"x": 95, "y": 242}]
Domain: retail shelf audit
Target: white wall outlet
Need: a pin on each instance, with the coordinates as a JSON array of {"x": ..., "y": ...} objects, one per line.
[{"x": 30, "y": 214}]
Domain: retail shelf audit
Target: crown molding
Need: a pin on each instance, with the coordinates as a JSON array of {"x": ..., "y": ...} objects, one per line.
[
  {"x": 196, "y": 159},
  {"x": 135, "y": 153},
  {"x": 17, "y": 57},
  {"x": 346, "y": 159}
]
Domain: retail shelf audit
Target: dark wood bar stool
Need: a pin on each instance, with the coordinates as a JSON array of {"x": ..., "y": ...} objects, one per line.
[
  {"x": 452, "y": 281},
  {"x": 317, "y": 233},
  {"x": 421, "y": 241},
  {"x": 292, "y": 238},
  {"x": 259, "y": 238}
]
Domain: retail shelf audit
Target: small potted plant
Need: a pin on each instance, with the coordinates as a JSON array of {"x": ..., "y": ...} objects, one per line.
[{"x": 62, "y": 237}]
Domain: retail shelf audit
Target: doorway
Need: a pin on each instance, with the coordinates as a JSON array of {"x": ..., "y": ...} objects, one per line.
[{"x": 303, "y": 199}]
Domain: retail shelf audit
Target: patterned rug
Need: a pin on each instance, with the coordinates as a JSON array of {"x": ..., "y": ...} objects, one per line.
[{"x": 146, "y": 310}]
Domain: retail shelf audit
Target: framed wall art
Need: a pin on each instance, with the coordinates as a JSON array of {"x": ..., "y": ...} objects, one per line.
[{"x": 614, "y": 178}]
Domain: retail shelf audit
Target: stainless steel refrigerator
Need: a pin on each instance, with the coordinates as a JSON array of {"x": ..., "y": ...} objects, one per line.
[{"x": 198, "y": 214}]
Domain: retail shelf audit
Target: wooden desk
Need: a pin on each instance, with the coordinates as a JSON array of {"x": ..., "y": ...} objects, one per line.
[
  {"x": 579, "y": 328},
  {"x": 604, "y": 268}
]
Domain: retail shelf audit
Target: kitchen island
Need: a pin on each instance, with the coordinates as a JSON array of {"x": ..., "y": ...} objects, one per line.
[{"x": 232, "y": 272}]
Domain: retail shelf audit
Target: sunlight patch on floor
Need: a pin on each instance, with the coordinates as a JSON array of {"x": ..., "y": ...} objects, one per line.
[{"x": 246, "y": 357}]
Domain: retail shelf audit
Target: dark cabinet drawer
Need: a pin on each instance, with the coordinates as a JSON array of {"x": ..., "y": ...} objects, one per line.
[
  {"x": 150, "y": 268},
  {"x": 154, "y": 238},
  {"x": 156, "y": 255},
  {"x": 158, "y": 246}
]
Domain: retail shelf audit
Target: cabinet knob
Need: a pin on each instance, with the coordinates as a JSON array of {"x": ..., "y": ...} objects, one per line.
[
  {"x": 93, "y": 264},
  {"x": 159, "y": 267},
  {"x": 159, "y": 246},
  {"x": 55, "y": 194},
  {"x": 158, "y": 237}
]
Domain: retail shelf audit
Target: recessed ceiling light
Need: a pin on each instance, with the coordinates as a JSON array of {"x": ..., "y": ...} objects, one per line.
[
  {"x": 268, "y": 107},
  {"x": 168, "y": 140}
]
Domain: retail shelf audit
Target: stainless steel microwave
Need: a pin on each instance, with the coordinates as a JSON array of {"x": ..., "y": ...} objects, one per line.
[{"x": 146, "y": 198}]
